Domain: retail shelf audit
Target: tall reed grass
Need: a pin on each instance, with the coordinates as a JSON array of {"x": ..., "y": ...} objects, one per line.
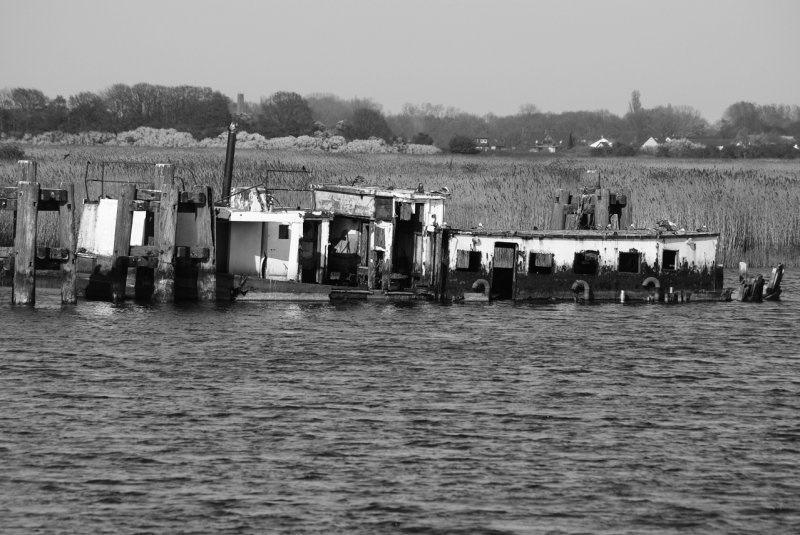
[{"x": 753, "y": 204}]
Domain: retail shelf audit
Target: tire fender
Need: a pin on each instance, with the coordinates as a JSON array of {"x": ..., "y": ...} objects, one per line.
[
  {"x": 482, "y": 282},
  {"x": 582, "y": 285}
]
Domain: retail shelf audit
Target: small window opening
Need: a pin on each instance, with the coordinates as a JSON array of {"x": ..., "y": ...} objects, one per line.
[
  {"x": 468, "y": 261},
  {"x": 586, "y": 262},
  {"x": 283, "y": 232},
  {"x": 541, "y": 263},
  {"x": 669, "y": 259},
  {"x": 629, "y": 262}
]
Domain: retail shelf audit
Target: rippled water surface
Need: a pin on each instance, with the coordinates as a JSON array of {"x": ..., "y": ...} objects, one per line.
[{"x": 405, "y": 418}]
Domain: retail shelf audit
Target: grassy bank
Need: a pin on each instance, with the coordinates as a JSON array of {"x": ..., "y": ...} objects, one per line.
[{"x": 753, "y": 204}]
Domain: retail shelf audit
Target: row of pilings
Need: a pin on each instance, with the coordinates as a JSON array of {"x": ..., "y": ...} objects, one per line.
[{"x": 160, "y": 241}]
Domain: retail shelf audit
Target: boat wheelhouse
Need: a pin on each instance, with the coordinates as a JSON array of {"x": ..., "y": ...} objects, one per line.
[
  {"x": 591, "y": 253},
  {"x": 354, "y": 242}
]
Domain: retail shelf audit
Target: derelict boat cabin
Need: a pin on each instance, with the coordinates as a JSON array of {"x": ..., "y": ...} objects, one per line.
[
  {"x": 590, "y": 253},
  {"x": 353, "y": 237}
]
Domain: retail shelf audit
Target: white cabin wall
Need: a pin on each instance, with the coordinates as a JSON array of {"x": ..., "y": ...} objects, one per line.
[
  {"x": 700, "y": 252},
  {"x": 282, "y": 252},
  {"x": 245, "y": 248}
]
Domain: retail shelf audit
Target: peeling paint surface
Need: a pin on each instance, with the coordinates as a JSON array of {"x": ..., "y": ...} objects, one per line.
[{"x": 546, "y": 265}]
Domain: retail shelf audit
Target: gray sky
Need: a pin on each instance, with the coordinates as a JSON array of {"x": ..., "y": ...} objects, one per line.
[{"x": 489, "y": 56}]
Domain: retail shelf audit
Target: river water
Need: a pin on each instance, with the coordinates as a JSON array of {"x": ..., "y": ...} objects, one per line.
[{"x": 400, "y": 418}]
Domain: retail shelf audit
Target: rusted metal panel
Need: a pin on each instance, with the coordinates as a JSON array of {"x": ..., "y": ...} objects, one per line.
[{"x": 345, "y": 203}]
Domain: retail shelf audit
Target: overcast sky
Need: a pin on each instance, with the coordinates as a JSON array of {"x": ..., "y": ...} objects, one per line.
[{"x": 488, "y": 56}]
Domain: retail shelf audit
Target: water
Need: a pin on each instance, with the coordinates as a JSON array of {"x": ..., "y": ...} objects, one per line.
[{"x": 408, "y": 418}]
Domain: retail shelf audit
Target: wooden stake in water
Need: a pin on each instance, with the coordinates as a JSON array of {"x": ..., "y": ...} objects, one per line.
[
  {"x": 166, "y": 225},
  {"x": 122, "y": 242},
  {"x": 66, "y": 237},
  {"x": 207, "y": 272},
  {"x": 24, "y": 283}
]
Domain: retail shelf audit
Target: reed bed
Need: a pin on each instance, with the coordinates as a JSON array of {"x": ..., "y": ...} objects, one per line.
[{"x": 753, "y": 204}]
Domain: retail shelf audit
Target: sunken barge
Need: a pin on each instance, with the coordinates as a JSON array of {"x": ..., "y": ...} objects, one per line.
[{"x": 165, "y": 242}]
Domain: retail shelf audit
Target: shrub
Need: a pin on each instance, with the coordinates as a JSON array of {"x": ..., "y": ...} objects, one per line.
[
  {"x": 463, "y": 145},
  {"x": 11, "y": 152},
  {"x": 422, "y": 138}
]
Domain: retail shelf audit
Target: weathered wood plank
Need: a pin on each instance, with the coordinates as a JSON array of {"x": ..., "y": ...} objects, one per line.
[
  {"x": 144, "y": 251},
  {"x": 122, "y": 242},
  {"x": 601, "y": 217},
  {"x": 164, "y": 284},
  {"x": 148, "y": 194},
  {"x": 68, "y": 241},
  {"x": 207, "y": 269},
  {"x": 195, "y": 197},
  {"x": 24, "y": 282},
  {"x": 165, "y": 176}
]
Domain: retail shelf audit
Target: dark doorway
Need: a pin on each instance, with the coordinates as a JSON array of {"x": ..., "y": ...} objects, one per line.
[
  {"x": 503, "y": 266},
  {"x": 407, "y": 225},
  {"x": 309, "y": 252}
]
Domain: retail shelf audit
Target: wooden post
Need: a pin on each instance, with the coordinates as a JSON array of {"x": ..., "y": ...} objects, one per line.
[
  {"x": 24, "y": 282},
  {"x": 165, "y": 176},
  {"x": 626, "y": 213},
  {"x": 207, "y": 272},
  {"x": 164, "y": 291},
  {"x": 67, "y": 240},
  {"x": 371, "y": 257},
  {"x": 601, "y": 218},
  {"x": 122, "y": 242},
  {"x": 27, "y": 169},
  {"x": 557, "y": 215}
]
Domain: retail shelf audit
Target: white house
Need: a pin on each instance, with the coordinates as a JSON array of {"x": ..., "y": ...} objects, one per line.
[
  {"x": 602, "y": 142},
  {"x": 650, "y": 145}
]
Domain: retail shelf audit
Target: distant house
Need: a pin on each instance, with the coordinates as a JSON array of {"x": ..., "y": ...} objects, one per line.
[
  {"x": 601, "y": 143},
  {"x": 547, "y": 144},
  {"x": 482, "y": 143},
  {"x": 650, "y": 145}
]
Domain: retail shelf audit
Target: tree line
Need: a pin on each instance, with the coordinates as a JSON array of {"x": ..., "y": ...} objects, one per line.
[{"x": 204, "y": 112}]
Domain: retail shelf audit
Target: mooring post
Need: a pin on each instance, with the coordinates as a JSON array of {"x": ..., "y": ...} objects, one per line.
[
  {"x": 66, "y": 239},
  {"x": 27, "y": 170},
  {"x": 166, "y": 225},
  {"x": 165, "y": 175},
  {"x": 207, "y": 272},
  {"x": 601, "y": 217},
  {"x": 626, "y": 212},
  {"x": 24, "y": 282},
  {"x": 122, "y": 242},
  {"x": 557, "y": 216}
]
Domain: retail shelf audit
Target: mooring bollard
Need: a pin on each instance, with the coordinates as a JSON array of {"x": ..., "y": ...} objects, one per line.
[{"x": 26, "y": 200}]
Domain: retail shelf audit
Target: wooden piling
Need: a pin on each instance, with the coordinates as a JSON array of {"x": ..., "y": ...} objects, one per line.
[
  {"x": 165, "y": 176},
  {"x": 122, "y": 242},
  {"x": 557, "y": 215},
  {"x": 207, "y": 273},
  {"x": 164, "y": 284},
  {"x": 626, "y": 211},
  {"x": 67, "y": 240},
  {"x": 601, "y": 208},
  {"x": 24, "y": 282}
]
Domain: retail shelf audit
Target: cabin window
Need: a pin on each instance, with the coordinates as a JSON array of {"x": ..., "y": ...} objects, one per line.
[
  {"x": 283, "y": 232},
  {"x": 669, "y": 259},
  {"x": 541, "y": 263},
  {"x": 628, "y": 262},
  {"x": 384, "y": 208},
  {"x": 468, "y": 260},
  {"x": 586, "y": 262}
]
